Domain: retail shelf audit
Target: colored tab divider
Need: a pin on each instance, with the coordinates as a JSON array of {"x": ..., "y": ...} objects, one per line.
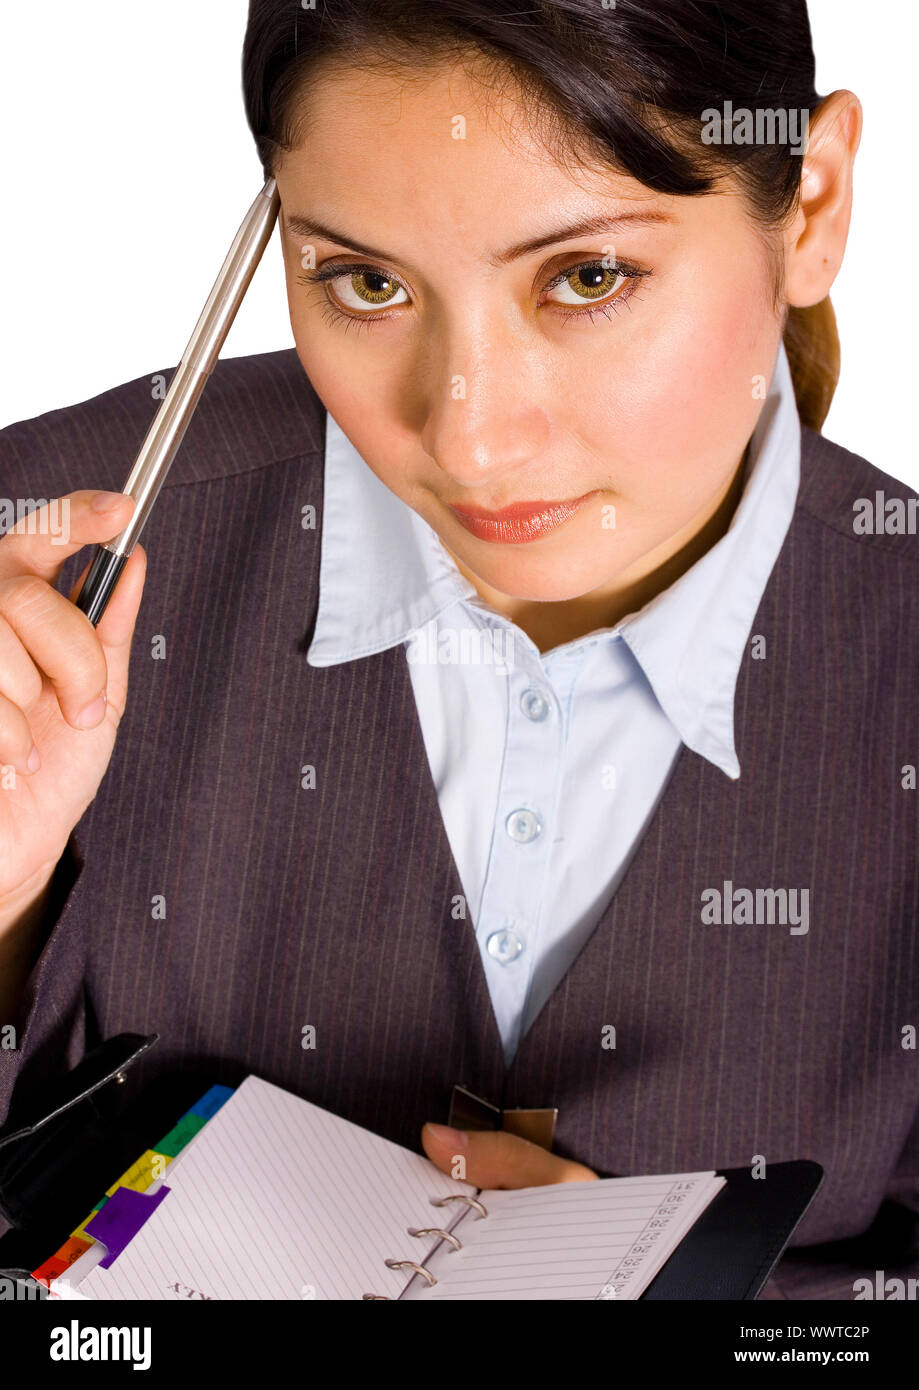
[
  {"x": 116, "y": 1228},
  {"x": 121, "y": 1218}
]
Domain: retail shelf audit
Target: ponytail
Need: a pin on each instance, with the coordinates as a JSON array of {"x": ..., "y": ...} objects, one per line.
[{"x": 812, "y": 345}]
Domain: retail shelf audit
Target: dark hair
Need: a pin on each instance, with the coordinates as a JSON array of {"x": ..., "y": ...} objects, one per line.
[{"x": 626, "y": 85}]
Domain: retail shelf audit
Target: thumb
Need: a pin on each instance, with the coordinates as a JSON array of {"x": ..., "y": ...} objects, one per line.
[{"x": 495, "y": 1158}]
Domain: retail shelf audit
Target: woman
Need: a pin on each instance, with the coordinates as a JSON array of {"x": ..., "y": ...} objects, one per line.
[{"x": 567, "y": 756}]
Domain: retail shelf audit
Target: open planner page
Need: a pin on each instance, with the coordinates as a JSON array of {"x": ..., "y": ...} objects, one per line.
[
  {"x": 604, "y": 1239},
  {"x": 276, "y": 1198}
]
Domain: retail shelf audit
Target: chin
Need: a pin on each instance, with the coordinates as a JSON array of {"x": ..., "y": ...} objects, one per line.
[{"x": 556, "y": 583}]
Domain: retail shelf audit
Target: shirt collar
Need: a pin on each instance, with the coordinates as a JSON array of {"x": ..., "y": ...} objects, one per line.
[{"x": 384, "y": 574}]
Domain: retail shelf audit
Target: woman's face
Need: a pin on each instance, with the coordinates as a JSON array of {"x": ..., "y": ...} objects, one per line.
[{"x": 471, "y": 371}]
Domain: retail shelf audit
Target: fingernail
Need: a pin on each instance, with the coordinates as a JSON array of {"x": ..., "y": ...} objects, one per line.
[
  {"x": 458, "y": 1138},
  {"x": 107, "y": 501},
  {"x": 34, "y": 762},
  {"x": 92, "y": 713}
]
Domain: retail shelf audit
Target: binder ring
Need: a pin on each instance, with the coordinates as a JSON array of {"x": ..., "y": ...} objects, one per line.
[
  {"x": 409, "y": 1264},
  {"x": 461, "y": 1197},
  {"x": 436, "y": 1231}
]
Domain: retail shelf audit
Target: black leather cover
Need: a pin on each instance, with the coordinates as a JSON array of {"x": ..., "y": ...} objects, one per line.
[
  {"x": 62, "y": 1150},
  {"x": 737, "y": 1241}
]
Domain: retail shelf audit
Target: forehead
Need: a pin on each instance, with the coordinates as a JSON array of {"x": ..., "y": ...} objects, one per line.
[
  {"x": 461, "y": 100},
  {"x": 440, "y": 171},
  {"x": 382, "y": 144}
]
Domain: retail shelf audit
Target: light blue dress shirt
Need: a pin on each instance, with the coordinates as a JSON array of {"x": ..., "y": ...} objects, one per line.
[{"x": 549, "y": 766}]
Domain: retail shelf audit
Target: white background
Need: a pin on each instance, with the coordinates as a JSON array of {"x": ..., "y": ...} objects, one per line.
[{"x": 126, "y": 166}]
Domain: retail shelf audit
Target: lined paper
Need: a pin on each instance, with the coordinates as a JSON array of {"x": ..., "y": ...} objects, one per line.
[
  {"x": 276, "y": 1198},
  {"x": 586, "y": 1240}
]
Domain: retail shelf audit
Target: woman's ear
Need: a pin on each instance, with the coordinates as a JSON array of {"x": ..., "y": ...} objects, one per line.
[{"x": 815, "y": 242}]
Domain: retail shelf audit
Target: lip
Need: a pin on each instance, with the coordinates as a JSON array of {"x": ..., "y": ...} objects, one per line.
[{"x": 519, "y": 523}]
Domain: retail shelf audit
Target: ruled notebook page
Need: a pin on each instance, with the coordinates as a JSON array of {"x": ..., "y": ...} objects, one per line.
[
  {"x": 275, "y": 1198},
  {"x": 585, "y": 1240}
]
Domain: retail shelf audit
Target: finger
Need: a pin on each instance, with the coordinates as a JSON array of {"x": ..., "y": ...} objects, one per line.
[
  {"x": 62, "y": 643},
  {"x": 16, "y": 742},
  {"x": 115, "y": 629},
  {"x": 20, "y": 678},
  {"x": 497, "y": 1159},
  {"x": 116, "y": 625},
  {"x": 42, "y": 540},
  {"x": 40, "y": 631}
]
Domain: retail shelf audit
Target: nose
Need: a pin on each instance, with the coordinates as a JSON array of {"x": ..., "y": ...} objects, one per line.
[{"x": 484, "y": 416}]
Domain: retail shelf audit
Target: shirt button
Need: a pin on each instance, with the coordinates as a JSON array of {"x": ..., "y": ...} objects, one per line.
[
  {"x": 523, "y": 826},
  {"x": 504, "y": 946},
  {"x": 534, "y": 705}
]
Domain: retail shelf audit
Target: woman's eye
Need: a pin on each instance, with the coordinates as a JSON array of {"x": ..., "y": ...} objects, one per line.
[
  {"x": 586, "y": 284},
  {"x": 360, "y": 289},
  {"x": 368, "y": 289}
]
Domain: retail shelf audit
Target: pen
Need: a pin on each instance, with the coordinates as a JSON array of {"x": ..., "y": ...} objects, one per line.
[{"x": 171, "y": 420}]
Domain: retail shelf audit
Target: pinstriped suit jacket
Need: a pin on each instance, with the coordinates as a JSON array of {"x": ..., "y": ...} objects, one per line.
[{"x": 335, "y": 905}]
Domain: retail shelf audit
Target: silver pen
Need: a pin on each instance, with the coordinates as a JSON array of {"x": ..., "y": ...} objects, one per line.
[{"x": 171, "y": 420}]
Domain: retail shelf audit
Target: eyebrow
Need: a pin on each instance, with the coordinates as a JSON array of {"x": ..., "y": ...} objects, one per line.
[{"x": 585, "y": 226}]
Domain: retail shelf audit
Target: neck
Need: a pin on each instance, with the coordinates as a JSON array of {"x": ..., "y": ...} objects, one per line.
[{"x": 551, "y": 624}]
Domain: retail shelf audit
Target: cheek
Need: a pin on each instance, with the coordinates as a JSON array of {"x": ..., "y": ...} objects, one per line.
[
  {"x": 681, "y": 410},
  {"x": 355, "y": 396},
  {"x": 330, "y": 362}
]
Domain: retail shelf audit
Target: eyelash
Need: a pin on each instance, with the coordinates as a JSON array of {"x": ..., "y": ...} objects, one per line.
[{"x": 333, "y": 314}]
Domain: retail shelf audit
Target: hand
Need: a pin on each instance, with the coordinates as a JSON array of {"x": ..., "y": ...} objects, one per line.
[
  {"x": 53, "y": 664},
  {"x": 495, "y": 1158}
]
